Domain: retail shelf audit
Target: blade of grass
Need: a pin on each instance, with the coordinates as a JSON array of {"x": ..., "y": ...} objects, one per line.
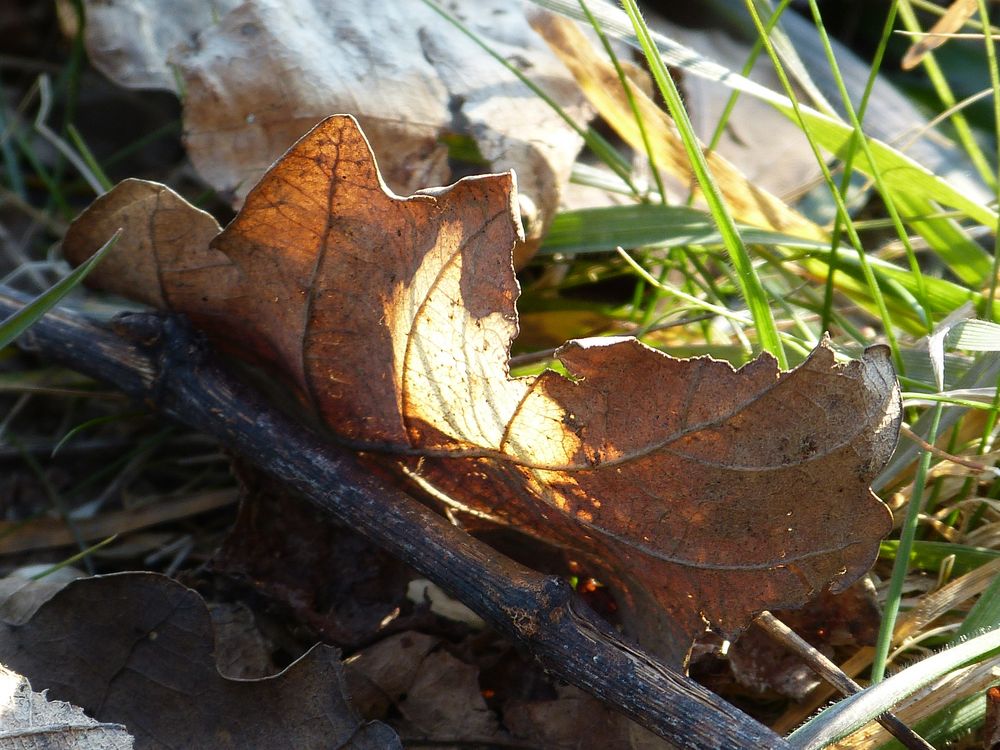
[
  {"x": 959, "y": 718},
  {"x": 643, "y": 225},
  {"x": 991, "y": 57},
  {"x": 944, "y": 92},
  {"x": 755, "y": 51},
  {"x": 750, "y": 284},
  {"x": 873, "y": 288},
  {"x": 20, "y": 321},
  {"x": 82, "y": 554},
  {"x": 88, "y": 424},
  {"x": 927, "y": 555},
  {"x": 900, "y": 566},
  {"x": 848, "y": 164},
  {"x": 627, "y": 88},
  {"x": 887, "y": 195},
  {"x": 88, "y": 157},
  {"x": 834, "y": 135},
  {"x": 598, "y": 81},
  {"x": 12, "y": 165},
  {"x": 739, "y": 318},
  {"x": 41, "y": 126},
  {"x": 852, "y": 713},
  {"x": 984, "y": 614}
]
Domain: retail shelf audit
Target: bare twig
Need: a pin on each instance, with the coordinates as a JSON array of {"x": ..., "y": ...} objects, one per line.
[{"x": 158, "y": 360}]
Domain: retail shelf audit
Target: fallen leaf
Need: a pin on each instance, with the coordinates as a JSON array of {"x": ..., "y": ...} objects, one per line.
[
  {"x": 28, "y": 721},
  {"x": 257, "y": 75},
  {"x": 130, "y": 42},
  {"x": 444, "y": 702},
  {"x": 420, "y": 590},
  {"x": 705, "y": 493},
  {"x": 574, "y": 719},
  {"x": 21, "y": 593},
  {"x": 137, "y": 649},
  {"x": 380, "y": 675},
  {"x": 534, "y": 711},
  {"x": 436, "y": 695},
  {"x": 241, "y": 651}
]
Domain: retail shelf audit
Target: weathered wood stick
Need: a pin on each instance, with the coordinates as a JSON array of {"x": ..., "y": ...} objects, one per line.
[{"x": 159, "y": 360}]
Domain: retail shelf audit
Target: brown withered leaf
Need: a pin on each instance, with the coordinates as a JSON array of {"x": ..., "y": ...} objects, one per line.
[
  {"x": 704, "y": 492},
  {"x": 137, "y": 649}
]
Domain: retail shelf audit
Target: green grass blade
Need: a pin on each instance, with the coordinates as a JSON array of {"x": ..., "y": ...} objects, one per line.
[
  {"x": 848, "y": 165},
  {"x": 944, "y": 92},
  {"x": 81, "y": 555},
  {"x": 603, "y": 229},
  {"x": 926, "y": 555},
  {"x": 798, "y": 115},
  {"x": 87, "y": 425},
  {"x": 959, "y": 718},
  {"x": 901, "y": 173},
  {"x": 750, "y": 284},
  {"x": 901, "y": 564},
  {"x": 854, "y": 712},
  {"x": 974, "y": 336},
  {"x": 887, "y": 195},
  {"x": 24, "y": 318},
  {"x": 991, "y": 56},
  {"x": 897, "y": 286},
  {"x": 964, "y": 257},
  {"x": 984, "y": 615},
  {"x": 627, "y": 88}
]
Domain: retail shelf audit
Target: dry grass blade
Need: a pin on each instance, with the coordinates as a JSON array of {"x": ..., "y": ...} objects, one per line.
[
  {"x": 930, "y": 607},
  {"x": 957, "y": 14},
  {"x": 834, "y": 676},
  {"x": 45, "y": 533}
]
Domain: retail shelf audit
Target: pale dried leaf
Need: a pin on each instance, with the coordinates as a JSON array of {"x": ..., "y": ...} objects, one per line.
[
  {"x": 257, "y": 75},
  {"x": 421, "y": 591},
  {"x": 130, "y": 41},
  {"x": 28, "y": 721},
  {"x": 21, "y": 594}
]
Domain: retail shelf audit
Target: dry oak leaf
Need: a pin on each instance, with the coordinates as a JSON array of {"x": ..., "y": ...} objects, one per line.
[{"x": 704, "y": 492}]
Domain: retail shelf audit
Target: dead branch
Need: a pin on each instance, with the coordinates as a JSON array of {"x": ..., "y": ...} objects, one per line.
[{"x": 159, "y": 360}]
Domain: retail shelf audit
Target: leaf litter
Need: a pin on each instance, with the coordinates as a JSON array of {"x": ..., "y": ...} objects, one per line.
[
  {"x": 590, "y": 716},
  {"x": 140, "y": 654}
]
